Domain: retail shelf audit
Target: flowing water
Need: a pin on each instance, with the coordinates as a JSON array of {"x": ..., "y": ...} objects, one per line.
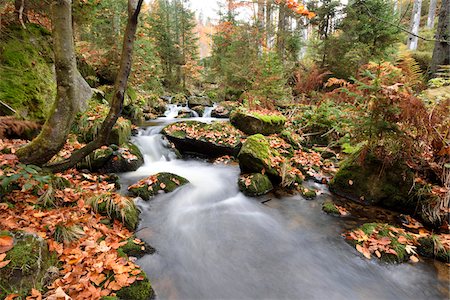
[{"x": 214, "y": 243}]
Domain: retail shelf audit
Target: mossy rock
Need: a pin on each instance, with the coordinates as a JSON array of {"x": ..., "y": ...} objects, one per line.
[
  {"x": 127, "y": 158},
  {"x": 223, "y": 109},
  {"x": 199, "y": 109},
  {"x": 113, "y": 159},
  {"x": 139, "y": 290},
  {"x": 152, "y": 185},
  {"x": 32, "y": 265},
  {"x": 116, "y": 207},
  {"x": 255, "y": 156},
  {"x": 199, "y": 101},
  {"x": 135, "y": 250},
  {"x": 379, "y": 231},
  {"x": 370, "y": 183},
  {"x": 330, "y": 208},
  {"x": 253, "y": 123},
  {"x": 96, "y": 160},
  {"x": 89, "y": 124},
  {"x": 432, "y": 247},
  {"x": 253, "y": 185},
  {"x": 28, "y": 81},
  {"x": 210, "y": 140},
  {"x": 309, "y": 194},
  {"x": 291, "y": 138}
]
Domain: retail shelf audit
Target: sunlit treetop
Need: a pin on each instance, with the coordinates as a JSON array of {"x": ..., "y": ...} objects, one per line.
[{"x": 297, "y": 8}]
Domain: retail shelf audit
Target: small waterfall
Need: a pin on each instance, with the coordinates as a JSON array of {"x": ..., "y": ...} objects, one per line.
[{"x": 208, "y": 111}]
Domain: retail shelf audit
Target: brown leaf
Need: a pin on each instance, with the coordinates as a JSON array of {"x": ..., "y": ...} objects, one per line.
[
  {"x": 4, "y": 263},
  {"x": 6, "y": 243},
  {"x": 414, "y": 259}
]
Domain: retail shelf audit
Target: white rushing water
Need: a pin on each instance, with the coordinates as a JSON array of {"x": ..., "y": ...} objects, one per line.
[{"x": 214, "y": 243}]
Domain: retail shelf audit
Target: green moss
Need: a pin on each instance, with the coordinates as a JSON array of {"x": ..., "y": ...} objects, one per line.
[
  {"x": 253, "y": 122},
  {"x": 254, "y": 184},
  {"x": 432, "y": 247},
  {"x": 29, "y": 266},
  {"x": 139, "y": 290},
  {"x": 255, "y": 156},
  {"x": 151, "y": 186},
  {"x": 135, "y": 250},
  {"x": 27, "y": 82},
  {"x": 329, "y": 208},
  {"x": 109, "y": 298},
  {"x": 116, "y": 207},
  {"x": 309, "y": 194},
  {"x": 373, "y": 184}
]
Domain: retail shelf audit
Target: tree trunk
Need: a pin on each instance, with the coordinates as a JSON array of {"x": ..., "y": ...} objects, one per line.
[
  {"x": 120, "y": 86},
  {"x": 281, "y": 32},
  {"x": 441, "y": 52},
  {"x": 431, "y": 13},
  {"x": 415, "y": 24},
  {"x": 55, "y": 130},
  {"x": 268, "y": 40},
  {"x": 261, "y": 25}
]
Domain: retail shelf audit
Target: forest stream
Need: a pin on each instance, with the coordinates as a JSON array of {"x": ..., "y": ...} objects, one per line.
[{"x": 213, "y": 242}]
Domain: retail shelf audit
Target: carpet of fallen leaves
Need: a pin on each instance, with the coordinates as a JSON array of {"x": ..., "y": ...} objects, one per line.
[
  {"x": 227, "y": 135},
  {"x": 90, "y": 267},
  {"x": 377, "y": 243}
]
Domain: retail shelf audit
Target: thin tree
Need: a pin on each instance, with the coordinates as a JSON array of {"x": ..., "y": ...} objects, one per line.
[
  {"x": 441, "y": 52},
  {"x": 415, "y": 24},
  {"x": 431, "y": 13}
]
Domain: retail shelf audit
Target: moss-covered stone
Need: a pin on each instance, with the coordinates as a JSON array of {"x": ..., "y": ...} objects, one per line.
[
  {"x": 394, "y": 241},
  {"x": 256, "y": 155},
  {"x": 127, "y": 158},
  {"x": 223, "y": 109},
  {"x": 32, "y": 266},
  {"x": 330, "y": 208},
  {"x": 252, "y": 122},
  {"x": 199, "y": 101},
  {"x": 254, "y": 184},
  {"x": 136, "y": 249},
  {"x": 372, "y": 183},
  {"x": 292, "y": 138},
  {"x": 90, "y": 122},
  {"x": 205, "y": 140},
  {"x": 432, "y": 247},
  {"x": 309, "y": 193},
  {"x": 152, "y": 185},
  {"x": 113, "y": 159},
  {"x": 139, "y": 290},
  {"x": 27, "y": 82},
  {"x": 115, "y": 206}
]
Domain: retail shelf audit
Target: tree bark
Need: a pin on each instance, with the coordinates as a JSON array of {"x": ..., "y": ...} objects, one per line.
[
  {"x": 120, "y": 86},
  {"x": 441, "y": 52},
  {"x": 281, "y": 32},
  {"x": 268, "y": 38},
  {"x": 261, "y": 25},
  {"x": 415, "y": 24},
  {"x": 55, "y": 130},
  {"x": 431, "y": 13}
]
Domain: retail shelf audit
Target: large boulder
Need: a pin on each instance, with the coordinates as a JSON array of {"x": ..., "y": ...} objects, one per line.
[
  {"x": 253, "y": 185},
  {"x": 31, "y": 264},
  {"x": 206, "y": 140},
  {"x": 223, "y": 109},
  {"x": 152, "y": 185},
  {"x": 113, "y": 159},
  {"x": 257, "y": 156},
  {"x": 199, "y": 101},
  {"x": 252, "y": 122},
  {"x": 370, "y": 182}
]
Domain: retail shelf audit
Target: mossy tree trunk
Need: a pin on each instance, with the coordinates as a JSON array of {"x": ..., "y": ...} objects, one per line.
[
  {"x": 55, "y": 130},
  {"x": 120, "y": 86},
  {"x": 441, "y": 53}
]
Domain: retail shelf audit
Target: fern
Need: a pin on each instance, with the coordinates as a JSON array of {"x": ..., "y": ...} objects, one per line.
[{"x": 411, "y": 70}]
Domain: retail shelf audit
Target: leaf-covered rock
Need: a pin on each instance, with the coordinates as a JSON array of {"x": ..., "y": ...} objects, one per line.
[
  {"x": 208, "y": 140},
  {"x": 152, "y": 185},
  {"x": 253, "y": 122},
  {"x": 384, "y": 241},
  {"x": 27, "y": 265},
  {"x": 254, "y": 184}
]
